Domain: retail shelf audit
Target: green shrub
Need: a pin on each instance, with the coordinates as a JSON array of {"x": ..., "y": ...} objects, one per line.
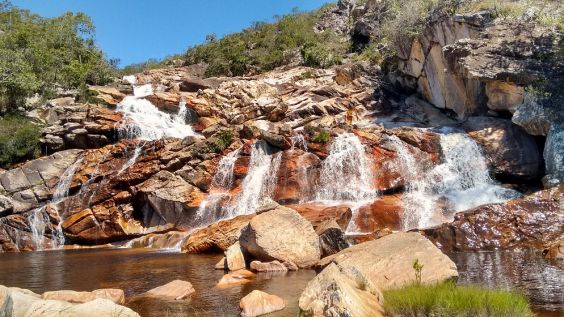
[
  {"x": 19, "y": 140},
  {"x": 265, "y": 46},
  {"x": 448, "y": 299},
  {"x": 322, "y": 136}
]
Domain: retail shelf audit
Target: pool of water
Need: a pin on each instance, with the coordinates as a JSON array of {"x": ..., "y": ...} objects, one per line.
[{"x": 138, "y": 270}]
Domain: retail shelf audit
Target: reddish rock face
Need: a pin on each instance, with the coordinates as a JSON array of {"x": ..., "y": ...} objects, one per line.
[
  {"x": 297, "y": 176},
  {"x": 534, "y": 221},
  {"x": 318, "y": 213},
  {"x": 384, "y": 213},
  {"x": 216, "y": 237}
]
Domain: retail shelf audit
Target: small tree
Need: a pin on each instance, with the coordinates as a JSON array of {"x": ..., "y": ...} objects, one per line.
[{"x": 417, "y": 267}]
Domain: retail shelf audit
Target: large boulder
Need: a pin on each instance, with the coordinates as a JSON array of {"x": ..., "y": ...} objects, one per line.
[
  {"x": 216, "y": 237},
  {"x": 281, "y": 234},
  {"x": 258, "y": 303},
  {"x": 115, "y": 295},
  {"x": 352, "y": 280},
  {"x": 535, "y": 221},
  {"x": 554, "y": 156},
  {"x": 510, "y": 151}
]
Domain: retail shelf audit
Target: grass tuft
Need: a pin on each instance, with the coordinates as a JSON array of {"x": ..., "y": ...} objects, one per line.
[{"x": 448, "y": 299}]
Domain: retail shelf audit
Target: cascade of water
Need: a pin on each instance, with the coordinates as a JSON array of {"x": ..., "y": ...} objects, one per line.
[
  {"x": 130, "y": 79},
  {"x": 39, "y": 219},
  {"x": 346, "y": 176},
  {"x": 132, "y": 159},
  {"x": 461, "y": 181},
  {"x": 142, "y": 120},
  {"x": 211, "y": 208},
  {"x": 259, "y": 182},
  {"x": 298, "y": 141}
]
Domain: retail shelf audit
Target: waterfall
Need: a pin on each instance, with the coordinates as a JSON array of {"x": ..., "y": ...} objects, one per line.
[
  {"x": 39, "y": 218},
  {"x": 144, "y": 121},
  {"x": 347, "y": 176},
  {"x": 260, "y": 181},
  {"x": 132, "y": 159},
  {"x": 298, "y": 141},
  {"x": 461, "y": 181},
  {"x": 211, "y": 208}
]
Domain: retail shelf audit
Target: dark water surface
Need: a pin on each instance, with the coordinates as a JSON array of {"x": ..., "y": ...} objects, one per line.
[{"x": 138, "y": 270}]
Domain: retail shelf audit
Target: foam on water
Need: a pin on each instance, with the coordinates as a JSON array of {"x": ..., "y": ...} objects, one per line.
[{"x": 461, "y": 181}]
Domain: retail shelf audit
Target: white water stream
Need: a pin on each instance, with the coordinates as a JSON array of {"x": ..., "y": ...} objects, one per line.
[{"x": 460, "y": 182}]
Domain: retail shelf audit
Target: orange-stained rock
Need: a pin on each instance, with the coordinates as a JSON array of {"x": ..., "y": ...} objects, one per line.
[
  {"x": 274, "y": 266},
  {"x": 258, "y": 303},
  {"x": 318, "y": 213},
  {"x": 235, "y": 278},
  {"x": 297, "y": 176},
  {"x": 384, "y": 213},
  {"x": 217, "y": 236}
]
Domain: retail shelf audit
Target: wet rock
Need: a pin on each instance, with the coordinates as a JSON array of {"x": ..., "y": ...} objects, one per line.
[
  {"x": 510, "y": 151},
  {"x": 174, "y": 290},
  {"x": 168, "y": 240},
  {"x": 384, "y": 213},
  {"x": 166, "y": 198},
  {"x": 115, "y": 295},
  {"x": 259, "y": 303},
  {"x": 318, "y": 213},
  {"x": 532, "y": 221},
  {"x": 235, "y": 278},
  {"x": 331, "y": 238},
  {"x": 273, "y": 266},
  {"x": 234, "y": 258},
  {"x": 217, "y": 236},
  {"x": 554, "y": 157},
  {"x": 281, "y": 234},
  {"x": 296, "y": 177},
  {"x": 555, "y": 251}
]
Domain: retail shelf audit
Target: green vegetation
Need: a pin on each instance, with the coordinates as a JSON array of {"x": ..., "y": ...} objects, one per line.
[
  {"x": 19, "y": 140},
  {"x": 322, "y": 136},
  {"x": 174, "y": 60},
  {"x": 265, "y": 46},
  {"x": 448, "y": 299},
  {"x": 40, "y": 55},
  {"x": 215, "y": 144}
]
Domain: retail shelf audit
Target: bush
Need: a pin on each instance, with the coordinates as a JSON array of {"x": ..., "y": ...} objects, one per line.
[
  {"x": 322, "y": 136},
  {"x": 19, "y": 140},
  {"x": 265, "y": 46},
  {"x": 40, "y": 55},
  {"x": 448, "y": 299}
]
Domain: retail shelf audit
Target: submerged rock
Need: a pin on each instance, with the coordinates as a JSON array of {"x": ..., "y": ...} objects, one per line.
[
  {"x": 281, "y": 234},
  {"x": 273, "y": 266},
  {"x": 258, "y": 303},
  {"x": 532, "y": 221},
  {"x": 235, "y": 278}
]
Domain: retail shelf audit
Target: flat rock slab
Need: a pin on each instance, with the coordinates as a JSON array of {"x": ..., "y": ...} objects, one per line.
[
  {"x": 174, "y": 290},
  {"x": 115, "y": 295}
]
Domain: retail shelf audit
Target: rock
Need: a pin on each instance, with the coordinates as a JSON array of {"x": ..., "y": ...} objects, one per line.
[
  {"x": 235, "y": 278},
  {"x": 281, "y": 234},
  {"x": 168, "y": 240},
  {"x": 510, "y": 151},
  {"x": 503, "y": 95},
  {"x": 554, "y": 157},
  {"x": 110, "y": 95},
  {"x": 296, "y": 175},
  {"x": 259, "y": 303},
  {"x": 384, "y": 213},
  {"x": 174, "y": 290},
  {"x": 532, "y": 221},
  {"x": 6, "y": 206},
  {"x": 222, "y": 264},
  {"x": 318, "y": 214},
  {"x": 115, "y": 295},
  {"x": 167, "y": 198},
  {"x": 217, "y": 236},
  {"x": 555, "y": 251},
  {"x": 273, "y": 266},
  {"x": 234, "y": 258},
  {"x": 333, "y": 293},
  {"x": 331, "y": 238}
]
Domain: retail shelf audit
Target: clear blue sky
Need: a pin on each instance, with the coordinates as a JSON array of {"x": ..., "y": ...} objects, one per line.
[{"x": 136, "y": 30}]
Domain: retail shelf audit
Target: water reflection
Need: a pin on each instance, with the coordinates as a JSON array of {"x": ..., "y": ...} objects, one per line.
[
  {"x": 539, "y": 279},
  {"x": 136, "y": 271}
]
